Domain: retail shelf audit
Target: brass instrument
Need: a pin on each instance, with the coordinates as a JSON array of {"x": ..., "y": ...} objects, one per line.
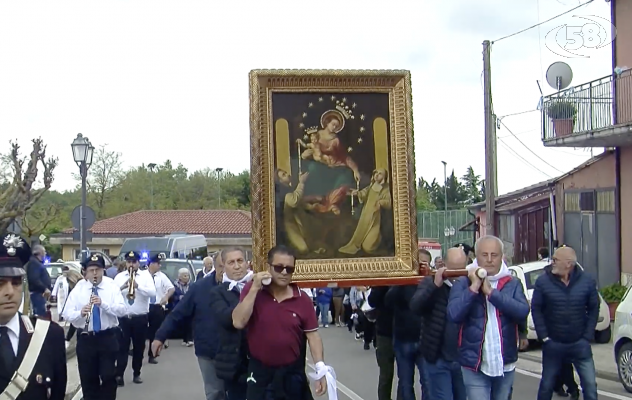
[
  {"x": 89, "y": 317},
  {"x": 131, "y": 290}
]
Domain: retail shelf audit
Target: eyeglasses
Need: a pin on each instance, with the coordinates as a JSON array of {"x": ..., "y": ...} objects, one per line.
[{"x": 280, "y": 268}]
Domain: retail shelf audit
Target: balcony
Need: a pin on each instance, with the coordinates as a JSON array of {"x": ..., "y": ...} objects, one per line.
[{"x": 595, "y": 114}]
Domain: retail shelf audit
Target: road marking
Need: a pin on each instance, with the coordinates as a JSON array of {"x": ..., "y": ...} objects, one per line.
[
  {"x": 600, "y": 392},
  {"x": 344, "y": 389},
  {"x": 78, "y": 395}
]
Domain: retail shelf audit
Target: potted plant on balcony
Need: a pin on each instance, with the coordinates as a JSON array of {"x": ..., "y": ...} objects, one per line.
[
  {"x": 612, "y": 295},
  {"x": 562, "y": 113}
]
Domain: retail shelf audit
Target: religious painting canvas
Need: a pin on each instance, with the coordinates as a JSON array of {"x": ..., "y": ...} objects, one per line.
[{"x": 333, "y": 166}]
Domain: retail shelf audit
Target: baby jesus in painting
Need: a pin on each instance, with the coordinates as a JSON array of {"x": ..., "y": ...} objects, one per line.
[{"x": 313, "y": 150}]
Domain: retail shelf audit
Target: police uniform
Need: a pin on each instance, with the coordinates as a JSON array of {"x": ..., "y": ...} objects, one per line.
[
  {"x": 164, "y": 288},
  {"x": 32, "y": 351},
  {"x": 98, "y": 331},
  {"x": 135, "y": 323}
]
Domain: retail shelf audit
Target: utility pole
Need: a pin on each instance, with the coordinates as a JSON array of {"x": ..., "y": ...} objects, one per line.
[{"x": 490, "y": 143}]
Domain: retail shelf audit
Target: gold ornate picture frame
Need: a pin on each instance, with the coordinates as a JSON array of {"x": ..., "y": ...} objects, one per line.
[{"x": 349, "y": 133}]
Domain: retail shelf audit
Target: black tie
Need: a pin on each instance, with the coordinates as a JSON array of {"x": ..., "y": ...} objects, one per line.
[{"x": 6, "y": 348}]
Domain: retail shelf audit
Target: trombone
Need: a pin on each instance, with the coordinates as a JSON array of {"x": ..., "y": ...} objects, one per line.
[
  {"x": 131, "y": 290},
  {"x": 89, "y": 317}
]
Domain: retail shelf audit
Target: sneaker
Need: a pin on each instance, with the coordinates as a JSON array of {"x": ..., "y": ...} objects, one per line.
[
  {"x": 189, "y": 344},
  {"x": 367, "y": 346},
  {"x": 326, "y": 326},
  {"x": 358, "y": 336}
]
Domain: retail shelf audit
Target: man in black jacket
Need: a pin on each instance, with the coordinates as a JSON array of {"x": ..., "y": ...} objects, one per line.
[
  {"x": 565, "y": 309},
  {"x": 384, "y": 343},
  {"x": 439, "y": 336},
  {"x": 231, "y": 360},
  {"x": 39, "y": 280},
  {"x": 406, "y": 332}
]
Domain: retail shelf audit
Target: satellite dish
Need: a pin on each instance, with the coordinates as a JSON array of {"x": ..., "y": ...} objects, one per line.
[{"x": 559, "y": 75}]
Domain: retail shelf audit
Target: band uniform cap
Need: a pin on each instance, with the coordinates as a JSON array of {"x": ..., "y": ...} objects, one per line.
[
  {"x": 15, "y": 253},
  {"x": 95, "y": 260},
  {"x": 157, "y": 258},
  {"x": 132, "y": 256}
]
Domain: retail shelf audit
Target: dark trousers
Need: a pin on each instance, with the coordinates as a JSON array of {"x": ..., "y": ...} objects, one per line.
[
  {"x": 133, "y": 330},
  {"x": 365, "y": 326},
  {"x": 555, "y": 354},
  {"x": 407, "y": 357},
  {"x": 235, "y": 390},
  {"x": 96, "y": 359},
  {"x": 156, "y": 316},
  {"x": 447, "y": 380},
  {"x": 268, "y": 383},
  {"x": 386, "y": 363},
  {"x": 566, "y": 378}
]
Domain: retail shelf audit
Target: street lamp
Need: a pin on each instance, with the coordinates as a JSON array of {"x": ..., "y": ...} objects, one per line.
[
  {"x": 82, "y": 152},
  {"x": 151, "y": 167},
  {"x": 219, "y": 187},
  {"x": 445, "y": 186}
]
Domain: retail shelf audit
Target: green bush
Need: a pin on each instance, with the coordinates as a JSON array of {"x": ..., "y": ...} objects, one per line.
[
  {"x": 613, "y": 293},
  {"x": 561, "y": 109}
]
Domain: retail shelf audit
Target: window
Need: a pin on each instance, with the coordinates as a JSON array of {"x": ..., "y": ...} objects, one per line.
[
  {"x": 77, "y": 254},
  {"x": 106, "y": 252},
  {"x": 531, "y": 277}
]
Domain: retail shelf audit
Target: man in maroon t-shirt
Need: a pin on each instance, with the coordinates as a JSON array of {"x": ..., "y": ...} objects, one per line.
[{"x": 279, "y": 317}]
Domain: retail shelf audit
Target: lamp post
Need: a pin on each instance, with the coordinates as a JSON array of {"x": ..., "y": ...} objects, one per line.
[
  {"x": 219, "y": 187},
  {"x": 151, "y": 167},
  {"x": 445, "y": 194},
  {"x": 82, "y": 152}
]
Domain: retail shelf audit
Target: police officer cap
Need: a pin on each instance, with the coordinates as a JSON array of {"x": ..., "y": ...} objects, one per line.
[
  {"x": 466, "y": 248},
  {"x": 157, "y": 258},
  {"x": 95, "y": 260},
  {"x": 132, "y": 256},
  {"x": 14, "y": 254}
]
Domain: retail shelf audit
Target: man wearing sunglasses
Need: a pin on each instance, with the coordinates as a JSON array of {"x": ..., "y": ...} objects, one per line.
[{"x": 279, "y": 318}]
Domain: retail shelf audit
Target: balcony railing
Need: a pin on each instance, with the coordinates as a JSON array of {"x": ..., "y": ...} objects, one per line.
[{"x": 590, "y": 107}]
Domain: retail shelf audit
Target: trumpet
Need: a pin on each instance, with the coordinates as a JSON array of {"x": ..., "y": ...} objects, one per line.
[
  {"x": 131, "y": 290},
  {"x": 89, "y": 317}
]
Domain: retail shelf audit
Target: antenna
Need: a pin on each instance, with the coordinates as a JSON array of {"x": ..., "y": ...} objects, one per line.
[{"x": 559, "y": 75}]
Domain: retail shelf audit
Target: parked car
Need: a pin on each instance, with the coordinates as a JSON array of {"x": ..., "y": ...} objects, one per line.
[
  {"x": 623, "y": 341},
  {"x": 171, "y": 266},
  {"x": 528, "y": 273},
  {"x": 54, "y": 270}
]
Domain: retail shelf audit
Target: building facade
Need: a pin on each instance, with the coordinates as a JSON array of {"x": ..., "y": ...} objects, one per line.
[
  {"x": 221, "y": 228},
  {"x": 598, "y": 114}
]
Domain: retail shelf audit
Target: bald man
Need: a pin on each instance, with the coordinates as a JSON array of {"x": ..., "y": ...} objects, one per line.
[
  {"x": 439, "y": 336},
  {"x": 565, "y": 309}
]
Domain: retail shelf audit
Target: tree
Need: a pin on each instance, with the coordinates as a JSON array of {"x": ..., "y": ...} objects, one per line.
[
  {"x": 472, "y": 186},
  {"x": 423, "y": 199},
  {"x": 104, "y": 175},
  {"x": 21, "y": 194}
]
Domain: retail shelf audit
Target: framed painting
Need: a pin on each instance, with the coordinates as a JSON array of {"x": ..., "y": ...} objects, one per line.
[{"x": 332, "y": 172}]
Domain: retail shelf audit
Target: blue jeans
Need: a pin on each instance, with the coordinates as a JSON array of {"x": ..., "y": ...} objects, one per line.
[
  {"x": 323, "y": 308},
  {"x": 407, "y": 356},
  {"x": 447, "y": 380},
  {"x": 554, "y": 355},
  {"x": 482, "y": 387},
  {"x": 39, "y": 304}
]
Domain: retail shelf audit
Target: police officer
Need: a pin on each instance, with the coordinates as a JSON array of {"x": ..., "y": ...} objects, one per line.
[
  {"x": 157, "y": 303},
  {"x": 93, "y": 307},
  {"x": 32, "y": 351},
  {"x": 135, "y": 323}
]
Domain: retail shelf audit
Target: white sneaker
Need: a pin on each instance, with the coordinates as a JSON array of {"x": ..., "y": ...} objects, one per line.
[{"x": 326, "y": 326}]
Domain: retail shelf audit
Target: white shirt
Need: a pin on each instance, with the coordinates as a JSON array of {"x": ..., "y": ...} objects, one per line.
[
  {"x": 112, "y": 304},
  {"x": 162, "y": 285},
  {"x": 13, "y": 329},
  {"x": 144, "y": 291},
  {"x": 60, "y": 290}
]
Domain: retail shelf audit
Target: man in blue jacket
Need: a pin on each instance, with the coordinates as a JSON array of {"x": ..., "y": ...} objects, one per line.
[
  {"x": 197, "y": 306},
  {"x": 565, "y": 309},
  {"x": 489, "y": 312}
]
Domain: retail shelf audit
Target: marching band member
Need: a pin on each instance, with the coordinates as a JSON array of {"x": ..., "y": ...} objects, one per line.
[
  {"x": 32, "y": 352},
  {"x": 158, "y": 302},
  {"x": 93, "y": 307},
  {"x": 134, "y": 324}
]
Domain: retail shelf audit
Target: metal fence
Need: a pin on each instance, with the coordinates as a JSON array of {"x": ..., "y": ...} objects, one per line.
[
  {"x": 592, "y": 106},
  {"x": 444, "y": 227}
]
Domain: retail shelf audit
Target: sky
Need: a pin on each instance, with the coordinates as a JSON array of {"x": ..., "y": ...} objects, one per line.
[{"x": 157, "y": 80}]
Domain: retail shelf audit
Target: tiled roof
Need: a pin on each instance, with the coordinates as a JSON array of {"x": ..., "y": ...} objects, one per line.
[{"x": 164, "y": 222}]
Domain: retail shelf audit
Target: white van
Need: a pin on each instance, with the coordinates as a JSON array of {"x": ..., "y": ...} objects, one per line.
[{"x": 174, "y": 246}]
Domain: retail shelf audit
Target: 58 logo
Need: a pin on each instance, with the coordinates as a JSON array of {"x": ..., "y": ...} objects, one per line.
[{"x": 573, "y": 41}]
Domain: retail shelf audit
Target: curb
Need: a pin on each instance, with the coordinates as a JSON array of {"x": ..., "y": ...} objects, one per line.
[{"x": 609, "y": 376}]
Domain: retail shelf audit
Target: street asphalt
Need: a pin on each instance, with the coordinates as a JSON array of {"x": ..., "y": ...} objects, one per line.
[{"x": 177, "y": 374}]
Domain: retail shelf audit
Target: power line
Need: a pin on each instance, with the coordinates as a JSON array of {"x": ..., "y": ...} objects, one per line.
[
  {"x": 519, "y": 133},
  {"x": 522, "y": 158},
  {"x": 543, "y": 22},
  {"x": 518, "y": 113},
  {"x": 526, "y": 147}
]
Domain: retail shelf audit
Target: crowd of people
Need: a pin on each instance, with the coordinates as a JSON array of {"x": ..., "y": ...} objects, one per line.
[{"x": 252, "y": 331}]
